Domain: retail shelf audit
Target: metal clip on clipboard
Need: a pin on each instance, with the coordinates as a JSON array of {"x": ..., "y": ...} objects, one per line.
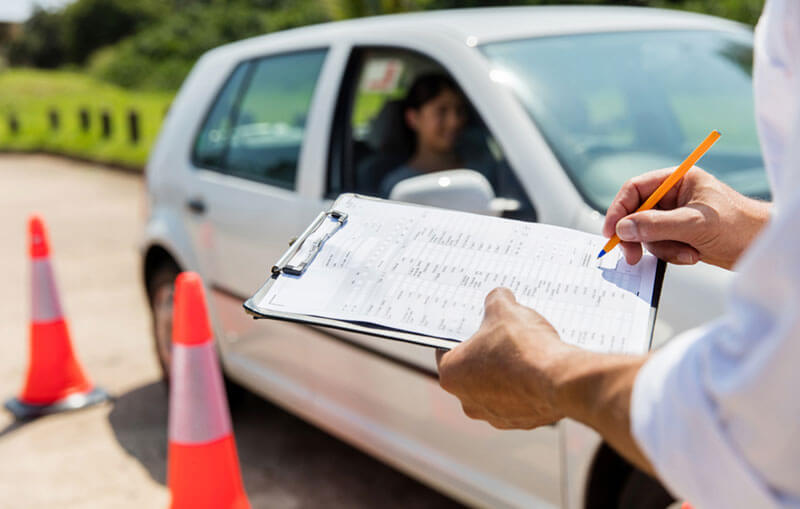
[{"x": 283, "y": 265}]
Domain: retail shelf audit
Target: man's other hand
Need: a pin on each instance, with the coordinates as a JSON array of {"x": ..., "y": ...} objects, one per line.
[
  {"x": 700, "y": 219},
  {"x": 505, "y": 374}
]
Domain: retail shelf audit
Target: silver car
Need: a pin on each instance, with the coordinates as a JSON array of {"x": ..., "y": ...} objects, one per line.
[{"x": 565, "y": 104}]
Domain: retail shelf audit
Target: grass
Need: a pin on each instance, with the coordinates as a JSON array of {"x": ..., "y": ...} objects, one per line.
[{"x": 30, "y": 96}]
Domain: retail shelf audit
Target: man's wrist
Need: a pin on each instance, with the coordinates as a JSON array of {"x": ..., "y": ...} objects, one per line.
[
  {"x": 754, "y": 215},
  {"x": 565, "y": 372},
  {"x": 596, "y": 389},
  {"x": 589, "y": 384},
  {"x": 572, "y": 384}
]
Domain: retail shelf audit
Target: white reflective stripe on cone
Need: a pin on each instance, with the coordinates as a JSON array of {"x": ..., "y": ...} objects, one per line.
[
  {"x": 198, "y": 410},
  {"x": 46, "y": 306}
]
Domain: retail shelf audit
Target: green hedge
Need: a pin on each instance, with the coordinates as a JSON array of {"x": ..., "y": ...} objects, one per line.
[{"x": 30, "y": 96}]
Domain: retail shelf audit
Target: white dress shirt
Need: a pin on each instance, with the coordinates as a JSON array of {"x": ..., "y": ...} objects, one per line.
[{"x": 717, "y": 411}]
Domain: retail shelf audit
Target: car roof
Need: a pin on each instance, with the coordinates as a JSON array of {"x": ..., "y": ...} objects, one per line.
[{"x": 483, "y": 25}]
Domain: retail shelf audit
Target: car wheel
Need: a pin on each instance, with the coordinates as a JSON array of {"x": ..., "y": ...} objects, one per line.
[
  {"x": 160, "y": 290},
  {"x": 643, "y": 492}
]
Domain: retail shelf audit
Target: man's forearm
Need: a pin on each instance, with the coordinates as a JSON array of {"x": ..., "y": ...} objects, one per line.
[{"x": 596, "y": 389}]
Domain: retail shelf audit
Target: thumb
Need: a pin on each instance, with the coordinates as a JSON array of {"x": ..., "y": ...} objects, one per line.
[
  {"x": 440, "y": 353},
  {"x": 498, "y": 298},
  {"x": 679, "y": 224}
]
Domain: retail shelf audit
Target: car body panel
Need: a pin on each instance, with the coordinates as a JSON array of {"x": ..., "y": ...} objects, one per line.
[{"x": 378, "y": 395}]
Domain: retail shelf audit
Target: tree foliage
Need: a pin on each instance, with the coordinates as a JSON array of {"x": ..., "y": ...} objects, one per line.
[
  {"x": 43, "y": 43},
  {"x": 89, "y": 25}
]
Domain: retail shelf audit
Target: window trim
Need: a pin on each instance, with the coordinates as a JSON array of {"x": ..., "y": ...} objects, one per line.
[
  {"x": 341, "y": 133},
  {"x": 234, "y": 111}
]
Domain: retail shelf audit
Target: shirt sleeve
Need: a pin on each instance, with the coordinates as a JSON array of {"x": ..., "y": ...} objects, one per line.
[{"x": 717, "y": 410}]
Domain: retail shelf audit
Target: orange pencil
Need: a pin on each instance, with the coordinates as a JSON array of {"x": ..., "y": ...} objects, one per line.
[{"x": 668, "y": 184}]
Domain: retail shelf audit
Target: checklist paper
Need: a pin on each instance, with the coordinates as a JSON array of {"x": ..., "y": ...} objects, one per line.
[{"x": 427, "y": 271}]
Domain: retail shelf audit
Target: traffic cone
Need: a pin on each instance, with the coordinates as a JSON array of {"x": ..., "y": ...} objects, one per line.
[
  {"x": 55, "y": 381},
  {"x": 203, "y": 468}
]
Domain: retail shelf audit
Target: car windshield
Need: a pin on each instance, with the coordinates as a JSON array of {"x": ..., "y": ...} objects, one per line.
[{"x": 614, "y": 105}]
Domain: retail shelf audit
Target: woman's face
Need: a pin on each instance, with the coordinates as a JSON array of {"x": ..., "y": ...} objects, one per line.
[{"x": 439, "y": 121}]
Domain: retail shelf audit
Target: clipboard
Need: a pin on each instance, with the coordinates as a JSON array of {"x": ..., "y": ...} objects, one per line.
[{"x": 287, "y": 264}]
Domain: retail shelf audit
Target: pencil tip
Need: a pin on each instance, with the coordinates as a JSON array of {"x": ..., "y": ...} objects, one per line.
[{"x": 602, "y": 252}]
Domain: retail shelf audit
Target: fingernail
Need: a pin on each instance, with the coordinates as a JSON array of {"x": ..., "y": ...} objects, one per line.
[
  {"x": 685, "y": 257},
  {"x": 626, "y": 229}
]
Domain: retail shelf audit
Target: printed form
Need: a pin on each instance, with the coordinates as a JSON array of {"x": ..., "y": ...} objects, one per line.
[{"x": 427, "y": 271}]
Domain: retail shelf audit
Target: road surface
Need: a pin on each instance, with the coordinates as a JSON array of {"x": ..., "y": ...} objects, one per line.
[{"x": 114, "y": 456}]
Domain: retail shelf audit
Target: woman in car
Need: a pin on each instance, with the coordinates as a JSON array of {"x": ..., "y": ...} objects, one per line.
[{"x": 434, "y": 112}]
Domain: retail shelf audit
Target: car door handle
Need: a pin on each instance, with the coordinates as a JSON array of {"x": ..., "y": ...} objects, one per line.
[{"x": 196, "y": 206}]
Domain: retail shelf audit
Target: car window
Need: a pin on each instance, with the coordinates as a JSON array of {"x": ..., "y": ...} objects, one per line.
[
  {"x": 255, "y": 130},
  {"x": 381, "y": 79},
  {"x": 614, "y": 105},
  {"x": 377, "y": 140},
  {"x": 212, "y": 141}
]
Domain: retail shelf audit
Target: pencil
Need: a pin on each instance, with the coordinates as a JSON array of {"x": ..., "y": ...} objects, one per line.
[{"x": 668, "y": 184}]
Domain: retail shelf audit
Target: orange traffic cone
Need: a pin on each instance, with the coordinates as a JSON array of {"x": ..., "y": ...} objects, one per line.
[
  {"x": 55, "y": 381},
  {"x": 203, "y": 468}
]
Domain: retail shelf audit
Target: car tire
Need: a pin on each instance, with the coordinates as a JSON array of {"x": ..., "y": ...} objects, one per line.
[
  {"x": 160, "y": 291},
  {"x": 641, "y": 491}
]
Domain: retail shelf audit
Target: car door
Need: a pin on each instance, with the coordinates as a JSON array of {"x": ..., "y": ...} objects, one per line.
[
  {"x": 242, "y": 200},
  {"x": 367, "y": 143},
  {"x": 382, "y": 392}
]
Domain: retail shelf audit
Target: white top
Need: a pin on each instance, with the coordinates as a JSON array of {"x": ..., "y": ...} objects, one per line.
[{"x": 717, "y": 411}]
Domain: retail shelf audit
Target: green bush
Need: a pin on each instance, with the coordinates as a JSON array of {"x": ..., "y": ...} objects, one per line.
[
  {"x": 53, "y": 38},
  {"x": 160, "y": 56},
  {"x": 746, "y": 11},
  {"x": 89, "y": 25}
]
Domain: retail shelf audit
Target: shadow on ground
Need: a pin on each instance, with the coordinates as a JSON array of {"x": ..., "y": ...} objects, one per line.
[
  {"x": 12, "y": 427},
  {"x": 139, "y": 421},
  {"x": 286, "y": 463}
]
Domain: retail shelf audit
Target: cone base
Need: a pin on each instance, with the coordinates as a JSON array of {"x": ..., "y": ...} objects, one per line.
[{"x": 22, "y": 410}]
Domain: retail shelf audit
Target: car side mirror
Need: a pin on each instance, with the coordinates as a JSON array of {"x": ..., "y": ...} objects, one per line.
[{"x": 465, "y": 190}]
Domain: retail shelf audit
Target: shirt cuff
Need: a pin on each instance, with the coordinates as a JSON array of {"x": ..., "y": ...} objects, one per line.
[{"x": 677, "y": 428}]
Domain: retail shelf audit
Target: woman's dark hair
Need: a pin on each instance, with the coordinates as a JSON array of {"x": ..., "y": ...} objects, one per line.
[{"x": 427, "y": 87}]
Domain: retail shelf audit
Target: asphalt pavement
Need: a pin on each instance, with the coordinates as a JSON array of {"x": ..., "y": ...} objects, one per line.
[{"x": 114, "y": 455}]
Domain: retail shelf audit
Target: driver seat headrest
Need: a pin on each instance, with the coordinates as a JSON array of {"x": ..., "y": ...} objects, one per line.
[{"x": 387, "y": 130}]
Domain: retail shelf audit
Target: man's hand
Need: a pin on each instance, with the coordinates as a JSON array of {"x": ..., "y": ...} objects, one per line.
[
  {"x": 505, "y": 373},
  {"x": 516, "y": 373},
  {"x": 700, "y": 219}
]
